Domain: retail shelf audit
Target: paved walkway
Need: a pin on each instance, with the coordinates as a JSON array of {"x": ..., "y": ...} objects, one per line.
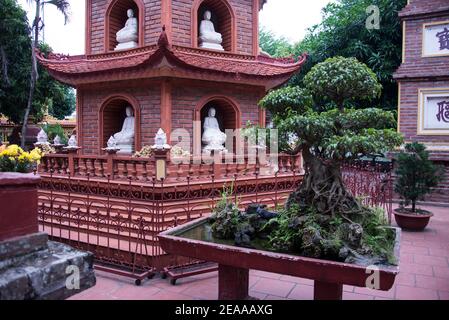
[{"x": 424, "y": 274}]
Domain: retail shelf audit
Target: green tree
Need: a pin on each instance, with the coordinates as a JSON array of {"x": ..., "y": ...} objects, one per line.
[
  {"x": 15, "y": 68},
  {"x": 416, "y": 174},
  {"x": 343, "y": 32},
  {"x": 15, "y": 48},
  {"x": 327, "y": 139},
  {"x": 63, "y": 6},
  {"x": 274, "y": 46}
]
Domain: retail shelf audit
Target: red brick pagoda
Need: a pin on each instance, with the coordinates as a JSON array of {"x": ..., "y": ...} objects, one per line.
[
  {"x": 167, "y": 78},
  {"x": 153, "y": 64},
  {"x": 424, "y": 81}
]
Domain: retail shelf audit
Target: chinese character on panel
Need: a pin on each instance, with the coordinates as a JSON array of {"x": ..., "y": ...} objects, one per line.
[
  {"x": 443, "y": 111},
  {"x": 443, "y": 38}
]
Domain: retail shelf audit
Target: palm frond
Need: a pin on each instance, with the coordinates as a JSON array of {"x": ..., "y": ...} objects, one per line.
[{"x": 62, "y": 5}]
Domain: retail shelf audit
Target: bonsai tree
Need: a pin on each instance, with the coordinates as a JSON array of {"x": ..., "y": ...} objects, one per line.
[
  {"x": 416, "y": 174},
  {"x": 322, "y": 218}
]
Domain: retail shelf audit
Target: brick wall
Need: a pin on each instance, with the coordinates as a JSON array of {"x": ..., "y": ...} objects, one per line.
[
  {"x": 181, "y": 23},
  {"x": 441, "y": 193},
  {"x": 414, "y": 39},
  {"x": 418, "y": 72},
  {"x": 152, "y": 23},
  {"x": 185, "y": 100},
  {"x": 149, "y": 99},
  {"x": 409, "y": 110}
]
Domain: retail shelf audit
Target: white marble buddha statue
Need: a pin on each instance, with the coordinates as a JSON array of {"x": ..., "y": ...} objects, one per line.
[
  {"x": 213, "y": 138},
  {"x": 128, "y": 36},
  {"x": 124, "y": 139},
  {"x": 209, "y": 38}
]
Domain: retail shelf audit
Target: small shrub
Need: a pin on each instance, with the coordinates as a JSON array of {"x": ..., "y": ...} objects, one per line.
[
  {"x": 416, "y": 174},
  {"x": 53, "y": 130}
]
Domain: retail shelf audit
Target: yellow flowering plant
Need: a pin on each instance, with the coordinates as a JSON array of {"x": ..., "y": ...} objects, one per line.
[{"x": 15, "y": 159}]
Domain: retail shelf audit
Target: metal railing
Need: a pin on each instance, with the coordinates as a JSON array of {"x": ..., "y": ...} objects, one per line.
[{"x": 119, "y": 219}]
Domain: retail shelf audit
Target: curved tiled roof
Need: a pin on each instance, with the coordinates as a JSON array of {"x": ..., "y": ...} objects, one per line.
[
  {"x": 190, "y": 58},
  {"x": 424, "y": 7},
  {"x": 96, "y": 63}
]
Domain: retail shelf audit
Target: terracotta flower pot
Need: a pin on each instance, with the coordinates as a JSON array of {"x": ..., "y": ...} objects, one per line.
[
  {"x": 18, "y": 204},
  {"x": 414, "y": 222}
]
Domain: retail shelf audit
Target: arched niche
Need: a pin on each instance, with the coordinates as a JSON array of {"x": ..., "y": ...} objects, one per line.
[
  {"x": 228, "y": 115},
  {"x": 112, "y": 115},
  {"x": 223, "y": 18},
  {"x": 116, "y": 16}
]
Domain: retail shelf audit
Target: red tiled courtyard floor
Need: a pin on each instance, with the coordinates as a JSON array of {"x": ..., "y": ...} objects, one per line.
[{"x": 424, "y": 274}]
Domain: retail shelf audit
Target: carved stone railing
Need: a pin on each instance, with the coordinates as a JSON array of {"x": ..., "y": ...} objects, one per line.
[{"x": 114, "y": 167}]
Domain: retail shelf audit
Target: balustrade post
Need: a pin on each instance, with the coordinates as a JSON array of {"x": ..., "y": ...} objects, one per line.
[
  {"x": 110, "y": 164},
  {"x": 217, "y": 156},
  {"x": 71, "y": 152},
  {"x": 161, "y": 157}
]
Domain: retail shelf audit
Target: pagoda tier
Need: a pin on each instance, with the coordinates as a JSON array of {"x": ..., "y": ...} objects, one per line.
[{"x": 166, "y": 60}]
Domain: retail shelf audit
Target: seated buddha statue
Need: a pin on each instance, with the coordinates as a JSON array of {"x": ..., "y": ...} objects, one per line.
[
  {"x": 209, "y": 39},
  {"x": 124, "y": 139},
  {"x": 128, "y": 36},
  {"x": 213, "y": 138}
]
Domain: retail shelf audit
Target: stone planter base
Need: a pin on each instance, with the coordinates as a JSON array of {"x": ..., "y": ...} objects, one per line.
[{"x": 31, "y": 267}]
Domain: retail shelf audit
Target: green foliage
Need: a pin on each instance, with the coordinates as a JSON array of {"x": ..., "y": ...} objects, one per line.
[
  {"x": 53, "y": 130},
  {"x": 15, "y": 63},
  {"x": 377, "y": 236},
  {"x": 284, "y": 238},
  {"x": 256, "y": 135},
  {"x": 416, "y": 174},
  {"x": 282, "y": 101},
  {"x": 16, "y": 43},
  {"x": 343, "y": 32},
  {"x": 15, "y": 159},
  {"x": 340, "y": 80},
  {"x": 274, "y": 46},
  {"x": 322, "y": 219},
  {"x": 342, "y": 135},
  {"x": 293, "y": 229},
  {"x": 61, "y": 100}
]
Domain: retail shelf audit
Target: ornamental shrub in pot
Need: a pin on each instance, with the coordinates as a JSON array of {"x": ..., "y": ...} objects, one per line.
[{"x": 416, "y": 176}]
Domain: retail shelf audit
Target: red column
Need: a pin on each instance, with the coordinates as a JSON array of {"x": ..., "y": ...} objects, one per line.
[{"x": 166, "y": 108}]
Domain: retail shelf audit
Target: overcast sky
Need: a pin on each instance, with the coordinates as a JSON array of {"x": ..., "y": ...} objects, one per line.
[{"x": 288, "y": 18}]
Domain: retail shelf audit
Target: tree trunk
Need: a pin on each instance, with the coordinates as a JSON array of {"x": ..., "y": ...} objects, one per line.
[
  {"x": 413, "y": 205},
  {"x": 34, "y": 73},
  {"x": 323, "y": 188},
  {"x": 4, "y": 61}
]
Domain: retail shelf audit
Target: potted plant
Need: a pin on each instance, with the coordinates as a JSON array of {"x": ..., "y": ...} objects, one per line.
[
  {"x": 416, "y": 175},
  {"x": 18, "y": 217}
]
